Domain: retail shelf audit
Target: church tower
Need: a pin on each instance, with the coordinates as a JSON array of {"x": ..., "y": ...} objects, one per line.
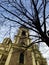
[{"x": 19, "y": 52}]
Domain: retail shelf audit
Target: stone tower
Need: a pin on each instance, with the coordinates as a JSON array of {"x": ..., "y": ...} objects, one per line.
[{"x": 19, "y": 52}]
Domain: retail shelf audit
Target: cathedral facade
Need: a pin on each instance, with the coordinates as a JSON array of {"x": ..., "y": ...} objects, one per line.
[{"x": 19, "y": 52}]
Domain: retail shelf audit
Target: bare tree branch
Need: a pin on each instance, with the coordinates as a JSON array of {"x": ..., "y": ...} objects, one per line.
[
  {"x": 34, "y": 19},
  {"x": 44, "y": 20}
]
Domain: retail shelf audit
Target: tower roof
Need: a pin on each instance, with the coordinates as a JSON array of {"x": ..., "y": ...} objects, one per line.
[{"x": 24, "y": 26}]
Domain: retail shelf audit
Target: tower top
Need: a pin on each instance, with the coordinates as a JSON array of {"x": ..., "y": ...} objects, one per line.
[{"x": 24, "y": 26}]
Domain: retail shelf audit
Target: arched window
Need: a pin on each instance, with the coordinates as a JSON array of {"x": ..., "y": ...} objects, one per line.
[
  {"x": 23, "y": 33},
  {"x": 21, "y": 58}
]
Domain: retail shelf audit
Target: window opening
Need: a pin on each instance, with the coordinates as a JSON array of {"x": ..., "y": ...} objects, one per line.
[
  {"x": 23, "y": 33},
  {"x": 21, "y": 59}
]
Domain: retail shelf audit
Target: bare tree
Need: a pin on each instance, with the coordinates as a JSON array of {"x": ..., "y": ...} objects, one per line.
[{"x": 32, "y": 12}]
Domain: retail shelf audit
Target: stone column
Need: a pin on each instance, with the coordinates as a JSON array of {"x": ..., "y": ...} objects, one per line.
[
  {"x": 37, "y": 57},
  {"x": 37, "y": 62},
  {"x": 0, "y": 56},
  {"x": 33, "y": 59},
  {"x": 9, "y": 57}
]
